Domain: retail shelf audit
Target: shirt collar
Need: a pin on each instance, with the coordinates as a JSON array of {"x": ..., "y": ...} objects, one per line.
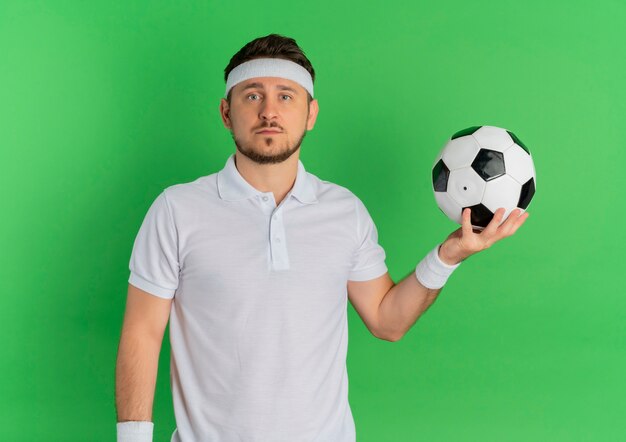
[{"x": 233, "y": 187}]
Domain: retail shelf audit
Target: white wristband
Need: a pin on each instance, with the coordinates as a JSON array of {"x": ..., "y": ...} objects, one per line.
[
  {"x": 134, "y": 431},
  {"x": 432, "y": 272}
]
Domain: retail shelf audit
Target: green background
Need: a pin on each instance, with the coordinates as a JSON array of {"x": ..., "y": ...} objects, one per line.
[{"x": 102, "y": 105}]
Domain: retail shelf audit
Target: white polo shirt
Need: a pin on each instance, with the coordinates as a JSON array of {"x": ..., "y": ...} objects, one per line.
[{"x": 258, "y": 325}]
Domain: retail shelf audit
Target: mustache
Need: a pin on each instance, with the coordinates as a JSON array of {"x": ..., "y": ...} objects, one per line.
[{"x": 269, "y": 126}]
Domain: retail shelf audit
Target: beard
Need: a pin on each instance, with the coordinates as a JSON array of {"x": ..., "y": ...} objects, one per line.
[{"x": 261, "y": 158}]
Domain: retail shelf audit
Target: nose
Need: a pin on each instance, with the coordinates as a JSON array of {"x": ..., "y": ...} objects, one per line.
[{"x": 268, "y": 110}]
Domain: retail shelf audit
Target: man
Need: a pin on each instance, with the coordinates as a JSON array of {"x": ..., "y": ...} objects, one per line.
[{"x": 254, "y": 265}]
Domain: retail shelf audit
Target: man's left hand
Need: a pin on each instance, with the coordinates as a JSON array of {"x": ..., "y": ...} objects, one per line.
[{"x": 466, "y": 241}]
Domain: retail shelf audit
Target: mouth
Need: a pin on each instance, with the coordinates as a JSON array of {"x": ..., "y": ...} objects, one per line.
[{"x": 268, "y": 132}]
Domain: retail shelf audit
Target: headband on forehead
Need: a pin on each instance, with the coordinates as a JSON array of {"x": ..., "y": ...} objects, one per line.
[{"x": 270, "y": 67}]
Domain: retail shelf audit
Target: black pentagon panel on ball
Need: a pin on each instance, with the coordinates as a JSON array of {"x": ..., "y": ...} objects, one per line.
[
  {"x": 440, "y": 176},
  {"x": 527, "y": 193},
  {"x": 518, "y": 142},
  {"x": 480, "y": 216},
  {"x": 489, "y": 164},
  {"x": 468, "y": 131}
]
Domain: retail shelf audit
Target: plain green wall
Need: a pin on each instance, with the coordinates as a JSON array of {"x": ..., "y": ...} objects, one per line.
[{"x": 103, "y": 104}]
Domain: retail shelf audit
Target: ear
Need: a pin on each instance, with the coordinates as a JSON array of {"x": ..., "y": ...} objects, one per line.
[
  {"x": 225, "y": 113},
  {"x": 313, "y": 111}
]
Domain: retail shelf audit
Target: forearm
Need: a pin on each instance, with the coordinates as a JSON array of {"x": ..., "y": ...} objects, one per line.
[
  {"x": 406, "y": 301},
  {"x": 403, "y": 304},
  {"x": 135, "y": 377}
]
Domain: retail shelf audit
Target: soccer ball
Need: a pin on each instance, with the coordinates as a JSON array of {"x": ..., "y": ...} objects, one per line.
[{"x": 483, "y": 168}]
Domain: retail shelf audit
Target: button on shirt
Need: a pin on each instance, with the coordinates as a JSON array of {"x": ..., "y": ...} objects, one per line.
[{"x": 258, "y": 323}]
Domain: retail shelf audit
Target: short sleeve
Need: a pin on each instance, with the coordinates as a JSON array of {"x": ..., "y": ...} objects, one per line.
[
  {"x": 153, "y": 263},
  {"x": 369, "y": 257}
]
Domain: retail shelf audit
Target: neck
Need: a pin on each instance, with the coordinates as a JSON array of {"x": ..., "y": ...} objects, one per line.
[{"x": 277, "y": 178}]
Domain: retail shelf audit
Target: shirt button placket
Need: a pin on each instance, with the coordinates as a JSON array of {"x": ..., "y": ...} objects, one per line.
[{"x": 279, "y": 251}]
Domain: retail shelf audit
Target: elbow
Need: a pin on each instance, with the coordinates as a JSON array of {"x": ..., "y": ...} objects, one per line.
[
  {"x": 389, "y": 338},
  {"x": 396, "y": 338}
]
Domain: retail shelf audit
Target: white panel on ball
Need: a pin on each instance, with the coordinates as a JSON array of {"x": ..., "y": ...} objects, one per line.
[
  {"x": 504, "y": 192},
  {"x": 519, "y": 165},
  {"x": 460, "y": 152},
  {"x": 449, "y": 206},
  {"x": 466, "y": 187},
  {"x": 494, "y": 138}
]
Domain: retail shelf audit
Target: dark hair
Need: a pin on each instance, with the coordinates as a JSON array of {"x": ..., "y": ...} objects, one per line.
[{"x": 270, "y": 46}]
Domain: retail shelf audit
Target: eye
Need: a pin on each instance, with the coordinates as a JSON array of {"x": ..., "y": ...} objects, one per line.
[
  {"x": 286, "y": 97},
  {"x": 252, "y": 96}
]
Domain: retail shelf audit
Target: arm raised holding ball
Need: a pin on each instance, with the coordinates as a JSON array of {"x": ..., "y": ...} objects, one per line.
[
  {"x": 479, "y": 168},
  {"x": 407, "y": 300}
]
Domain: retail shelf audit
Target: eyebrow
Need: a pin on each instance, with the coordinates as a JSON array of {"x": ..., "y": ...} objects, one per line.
[{"x": 282, "y": 87}]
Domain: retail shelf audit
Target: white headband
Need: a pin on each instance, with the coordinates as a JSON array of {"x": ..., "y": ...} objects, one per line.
[{"x": 270, "y": 67}]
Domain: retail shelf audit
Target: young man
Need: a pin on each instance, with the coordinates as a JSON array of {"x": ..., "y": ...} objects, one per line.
[{"x": 253, "y": 266}]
